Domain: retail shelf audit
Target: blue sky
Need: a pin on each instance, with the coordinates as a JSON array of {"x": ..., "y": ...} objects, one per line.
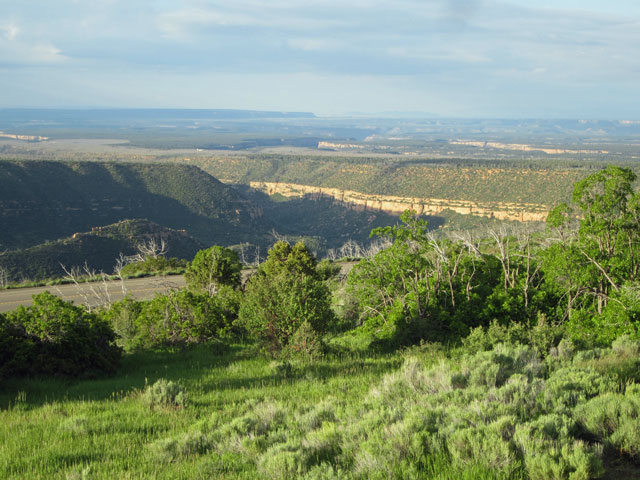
[{"x": 461, "y": 58}]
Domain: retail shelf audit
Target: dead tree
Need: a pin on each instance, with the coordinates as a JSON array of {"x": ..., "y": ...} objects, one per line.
[
  {"x": 150, "y": 248},
  {"x": 95, "y": 290}
]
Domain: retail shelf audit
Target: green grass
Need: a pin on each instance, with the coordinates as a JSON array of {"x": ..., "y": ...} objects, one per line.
[
  {"x": 425, "y": 412},
  {"x": 52, "y": 428}
]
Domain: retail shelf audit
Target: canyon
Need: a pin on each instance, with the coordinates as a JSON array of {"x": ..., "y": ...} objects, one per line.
[{"x": 523, "y": 212}]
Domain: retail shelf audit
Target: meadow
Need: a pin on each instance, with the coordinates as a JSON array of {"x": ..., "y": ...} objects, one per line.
[
  {"x": 104, "y": 428},
  {"x": 429, "y": 411}
]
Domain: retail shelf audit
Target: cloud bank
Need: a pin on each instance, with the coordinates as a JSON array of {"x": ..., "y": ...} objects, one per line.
[{"x": 510, "y": 58}]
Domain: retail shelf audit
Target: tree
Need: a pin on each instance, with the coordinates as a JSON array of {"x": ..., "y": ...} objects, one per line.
[
  {"x": 597, "y": 263},
  {"x": 422, "y": 287},
  {"x": 212, "y": 268},
  {"x": 286, "y": 292},
  {"x": 603, "y": 252}
]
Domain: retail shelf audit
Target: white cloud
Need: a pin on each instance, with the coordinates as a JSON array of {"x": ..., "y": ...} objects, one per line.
[
  {"x": 314, "y": 44},
  {"x": 188, "y": 23},
  {"x": 15, "y": 50},
  {"x": 441, "y": 53},
  {"x": 10, "y": 31}
]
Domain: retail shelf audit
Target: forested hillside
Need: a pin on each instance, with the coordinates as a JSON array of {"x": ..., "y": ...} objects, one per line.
[
  {"x": 42, "y": 201},
  {"x": 98, "y": 250},
  {"x": 519, "y": 182}
]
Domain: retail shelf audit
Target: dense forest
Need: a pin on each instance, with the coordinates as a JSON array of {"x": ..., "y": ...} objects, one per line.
[{"x": 510, "y": 355}]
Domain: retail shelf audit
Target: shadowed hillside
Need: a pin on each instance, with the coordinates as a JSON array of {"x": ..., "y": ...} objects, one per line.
[
  {"x": 42, "y": 201},
  {"x": 99, "y": 249}
]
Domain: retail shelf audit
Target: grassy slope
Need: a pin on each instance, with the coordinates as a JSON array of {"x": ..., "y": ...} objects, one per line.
[
  {"x": 59, "y": 428},
  {"x": 53, "y": 429},
  {"x": 42, "y": 201}
]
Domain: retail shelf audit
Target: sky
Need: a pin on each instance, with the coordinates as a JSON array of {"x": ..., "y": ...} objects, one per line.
[{"x": 451, "y": 58}]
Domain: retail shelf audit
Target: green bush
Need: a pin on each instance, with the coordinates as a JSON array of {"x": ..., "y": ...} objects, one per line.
[
  {"x": 614, "y": 419},
  {"x": 179, "y": 318},
  {"x": 542, "y": 336},
  {"x": 625, "y": 346},
  {"x": 17, "y": 349},
  {"x": 482, "y": 446},
  {"x": 305, "y": 344},
  {"x": 171, "y": 449},
  {"x": 54, "y": 337},
  {"x": 123, "y": 317},
  {"x": 213, "y": 268},
  {"x": 569, "y": 386},
  {"x": 153, "y": 266},
  {"x": 285, "y": 293},
  {"x": 504, "y": 413},
  {"x": 165, "y": 393}
]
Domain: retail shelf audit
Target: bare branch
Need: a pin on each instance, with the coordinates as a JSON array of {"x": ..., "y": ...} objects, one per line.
[
  {"x": 278, "y": 237},
  {"x": 604, "y": 272},
  {"x": 95, "y": 285},
  {"x": 151, "y": 248}
]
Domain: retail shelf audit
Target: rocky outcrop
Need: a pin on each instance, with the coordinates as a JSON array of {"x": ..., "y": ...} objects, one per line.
[
  {"x": 28, "y": 138},
  {"x": 524, "y": 212},
  {"x": 337, "y": 146},
  {"x": 523, "y": 148}
]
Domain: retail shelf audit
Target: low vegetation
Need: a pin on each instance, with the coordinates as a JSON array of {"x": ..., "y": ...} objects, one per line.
[{"x": 100, "y": 251}]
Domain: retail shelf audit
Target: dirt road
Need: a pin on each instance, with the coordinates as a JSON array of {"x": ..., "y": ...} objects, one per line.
[{"x": 93, "y": 294}]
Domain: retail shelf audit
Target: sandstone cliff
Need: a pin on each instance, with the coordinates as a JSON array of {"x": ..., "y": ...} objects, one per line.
[{"x": 524, "y": 212}]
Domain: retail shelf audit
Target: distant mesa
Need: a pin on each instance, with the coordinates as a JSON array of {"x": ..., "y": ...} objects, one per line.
[
  {"x": 27, "y": 138},
  {"x": 337, "y": 146}
]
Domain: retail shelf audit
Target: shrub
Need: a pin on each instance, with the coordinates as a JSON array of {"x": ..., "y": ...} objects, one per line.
[
  {"x": 573, "y": 461},
  {"x": 165, "y": 393},
  {"x": 542, "y": 336},
  {"x": 153, "y": 265},
  {"x": 170, "y": 449},
  {"x": 493, "y": 368},
  {"x": 178, "y": 318},
  {"x": 565, "y": 349},
  {"x": 314, "y": 418},
  {"x": 626, "y": 347},
  {"x": 280, "y": 462},
  {"x": 212, "y": 268},
  {"x": 569, "y": 386},
  {"x": 305, "y": 344},
  {"x": 123, "y": 316},
  {"x": 17, "y": 349},
  {"x": 55, "y": 337},
  {"x": 286, "y": 293},
  {"x": 482, "y": 446},
  {"x": 614, "y": 419}
]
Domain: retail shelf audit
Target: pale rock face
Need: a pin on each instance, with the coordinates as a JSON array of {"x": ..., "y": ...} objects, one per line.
[
  {"x": 524, "y": 212},
  {"x": 523, "y": 147},
  {"x": 28, "y": 138}
]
